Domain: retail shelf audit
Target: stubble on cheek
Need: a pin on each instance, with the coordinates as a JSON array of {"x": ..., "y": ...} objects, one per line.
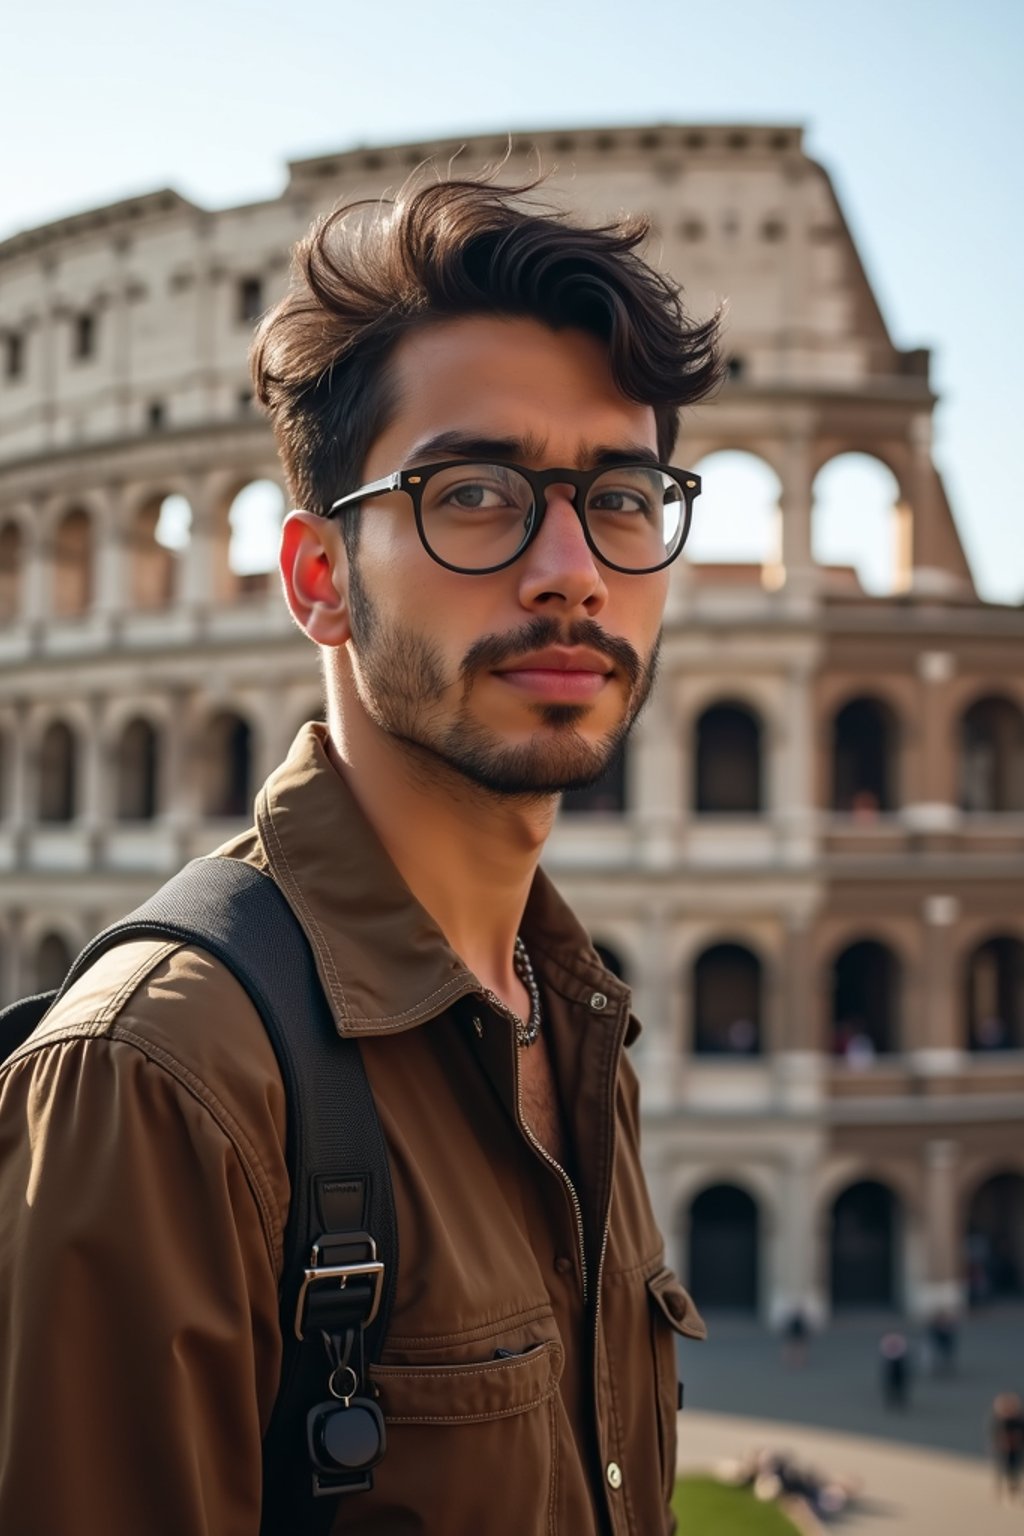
[{"x": 398, "y": 674}]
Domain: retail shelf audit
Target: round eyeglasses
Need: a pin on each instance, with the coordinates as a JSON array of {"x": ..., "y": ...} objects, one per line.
[{"x": 477, "y": 518}]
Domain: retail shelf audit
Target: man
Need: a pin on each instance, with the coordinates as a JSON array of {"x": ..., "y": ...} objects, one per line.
[{"x": 475, "y": 403}]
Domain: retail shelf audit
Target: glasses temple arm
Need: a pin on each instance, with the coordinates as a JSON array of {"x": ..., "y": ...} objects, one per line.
[{"x": 374, "y": 488}]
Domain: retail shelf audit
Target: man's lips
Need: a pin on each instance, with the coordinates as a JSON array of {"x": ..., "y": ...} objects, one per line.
[{"x": 559, "y": 672}]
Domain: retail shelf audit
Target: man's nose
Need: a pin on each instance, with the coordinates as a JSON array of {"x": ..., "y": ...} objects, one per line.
[{"x": 560, "y": 570}]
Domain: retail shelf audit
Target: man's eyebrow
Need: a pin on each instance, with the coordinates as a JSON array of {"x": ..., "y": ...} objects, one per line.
[
  {"x": 523, "y": 450},
  {"x": 463, "y": 445},
  {"x": 627, "y": 453}
]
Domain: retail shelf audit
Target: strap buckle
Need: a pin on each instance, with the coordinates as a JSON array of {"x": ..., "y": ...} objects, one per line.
[{"x": 325, "y": 1280}]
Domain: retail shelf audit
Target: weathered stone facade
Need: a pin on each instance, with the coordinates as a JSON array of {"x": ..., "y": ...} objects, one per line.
[{"x": 811, "y": 867}]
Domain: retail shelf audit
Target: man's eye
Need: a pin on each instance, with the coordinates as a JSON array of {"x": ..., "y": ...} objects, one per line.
[
  {"x": 473, "y": 495},
  {"x": 620, "y": 501}
]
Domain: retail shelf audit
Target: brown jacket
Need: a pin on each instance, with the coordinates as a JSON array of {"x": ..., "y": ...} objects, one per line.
[{"x": 144, "y": 1190}]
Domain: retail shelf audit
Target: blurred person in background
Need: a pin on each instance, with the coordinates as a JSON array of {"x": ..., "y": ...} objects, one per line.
[
  {"x": 895, "y": 1357},
  {"x": 795, "y": 1334},
  {"x": 1006, "y": 1437}
]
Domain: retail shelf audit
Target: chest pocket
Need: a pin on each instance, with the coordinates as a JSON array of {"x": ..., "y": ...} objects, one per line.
[{"x": 471, "y": 1447}]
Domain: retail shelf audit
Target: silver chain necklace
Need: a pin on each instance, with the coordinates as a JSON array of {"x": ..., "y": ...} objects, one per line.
[{"x": 526, "y": 1033}]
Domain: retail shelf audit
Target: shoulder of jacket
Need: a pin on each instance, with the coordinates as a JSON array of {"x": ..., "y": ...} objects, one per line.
[{"x": 188, "y": 1015}]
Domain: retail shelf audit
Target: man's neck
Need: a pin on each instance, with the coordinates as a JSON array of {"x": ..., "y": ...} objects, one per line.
[{"x": 468, "y": 856}]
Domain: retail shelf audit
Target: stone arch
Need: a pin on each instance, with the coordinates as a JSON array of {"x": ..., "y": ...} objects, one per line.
[
  {"x": 729, "y": 766},
  {"x": 728, "y": 1001},
  {"x": 12, "y": 571},
  {"x": 227, "y": 766},
  {"x": 865, "y": 987},
  {"x": 73, "y": 557},
  {"x": 865, "y": 1246},
  {"x": 856, "y": 518},
  {"x": 994, "y": 994},
  {"x": 608, "y": 795},
  {"x": 994, "y": 1238},
  {"x": 991, "y": 755},
  {"x": 137, "y": 757},
  {"x": 724, "y": 1247},
  {"x": 736, "y": 519},
  {"x": 254, "y": 516},
  {"x": 865, "y": 757},
  {"x": 57, "y": 775},
  {"x": 51, "y": 960},
  {"x": 158, "y": 532},
  {"x": 849, "y": 1168}
]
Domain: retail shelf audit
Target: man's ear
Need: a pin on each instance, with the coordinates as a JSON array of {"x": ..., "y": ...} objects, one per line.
[{"x": 314, "y": 569}]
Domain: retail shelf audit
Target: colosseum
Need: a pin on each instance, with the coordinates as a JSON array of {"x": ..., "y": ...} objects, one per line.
[{"x": 808, "y": 865}]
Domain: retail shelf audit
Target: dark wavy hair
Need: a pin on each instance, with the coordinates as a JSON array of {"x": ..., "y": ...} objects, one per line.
[{"x": 368, "y": 273}]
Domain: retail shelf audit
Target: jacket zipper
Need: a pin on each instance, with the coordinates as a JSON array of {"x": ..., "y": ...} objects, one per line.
[
  {"x": 500, "y": 1007},
  {"x": 570, "y": 1186},
  {"x": 496, "y": 1002}
]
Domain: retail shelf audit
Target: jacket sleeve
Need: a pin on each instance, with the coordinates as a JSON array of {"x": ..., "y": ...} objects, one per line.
[{"x": 139, "y": 1342}]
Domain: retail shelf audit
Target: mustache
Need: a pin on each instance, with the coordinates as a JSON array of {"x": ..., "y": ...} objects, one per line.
[{"x": 493, "y": 650}]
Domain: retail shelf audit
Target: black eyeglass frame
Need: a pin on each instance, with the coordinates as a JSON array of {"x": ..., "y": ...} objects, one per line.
[{"x": 412, "y": 481}]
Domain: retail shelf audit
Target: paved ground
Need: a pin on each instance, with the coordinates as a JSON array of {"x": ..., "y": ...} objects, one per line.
[
  {"x": 906, "y": 1491},
  {"x": 739, "y": 1370}
]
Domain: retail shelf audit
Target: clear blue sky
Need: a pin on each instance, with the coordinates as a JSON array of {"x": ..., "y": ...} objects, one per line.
[{"x": 914, "y": 106}]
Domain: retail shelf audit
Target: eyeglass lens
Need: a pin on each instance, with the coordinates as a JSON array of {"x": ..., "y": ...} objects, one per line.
[{"x": 479, "y": 515}]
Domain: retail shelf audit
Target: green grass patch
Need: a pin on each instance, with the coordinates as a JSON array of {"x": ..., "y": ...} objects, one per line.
[{"x": 706, "y": 1508}]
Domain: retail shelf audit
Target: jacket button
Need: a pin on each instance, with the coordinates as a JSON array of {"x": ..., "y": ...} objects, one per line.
[
  {"x": 563, "y": 1265},
  {"x": 613, "y": 1473},
  {"x": 598, "y": 1002}
]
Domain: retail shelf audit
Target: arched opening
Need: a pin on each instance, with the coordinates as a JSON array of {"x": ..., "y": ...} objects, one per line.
[
  {"x": 254, "y": 518},
  {"x": 57, "y": 783},
  {"x": 52, "y": 962},
  {"x": 855, "y": 523},
  {"x": 611, "y": 959},
  {"x": 992, "y": 756},
  {"x": 995, "y": 995},
  {"x": 154, "y": 563},
  {"x": 723, "y": 1249},
  {"x": 137, "y": 772},
  {"x": 729, "y": 770},
  {"x": 83, "y": 335},
  {"x": 727, "y": 1005},
  {"x": 228, "y": 786},
  {"x": 995, "y": 1239},
  {"x": 864, "y": 1247},
  {"x": 865, "y": 1002},
  {"x": 607, "y": 795},
  {"x": 174, "y": 524},
  {"x": 736, "y": 518},
  {"x": 72, "y": 565},
  {"x": 11, "y": 559},
  {"x": 864, "y": 759}
]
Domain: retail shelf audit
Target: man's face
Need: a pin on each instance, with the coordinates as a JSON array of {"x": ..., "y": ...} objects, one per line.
[{"x": 524, "y": 681}]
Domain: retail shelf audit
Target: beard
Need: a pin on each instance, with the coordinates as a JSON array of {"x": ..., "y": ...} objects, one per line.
[{"x": 403, "y": 683}]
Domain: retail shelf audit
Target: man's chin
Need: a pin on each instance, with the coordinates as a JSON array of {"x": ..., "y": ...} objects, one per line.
[{"x": 532, "y": 768}]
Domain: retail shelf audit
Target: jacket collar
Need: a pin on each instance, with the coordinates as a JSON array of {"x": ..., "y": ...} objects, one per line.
[{"x": 384, "y": 963}]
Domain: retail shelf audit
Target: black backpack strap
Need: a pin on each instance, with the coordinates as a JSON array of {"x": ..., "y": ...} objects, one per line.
[
  {"x": 341, "y": 1238},
  {"x": 18, "y": 1020}
]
